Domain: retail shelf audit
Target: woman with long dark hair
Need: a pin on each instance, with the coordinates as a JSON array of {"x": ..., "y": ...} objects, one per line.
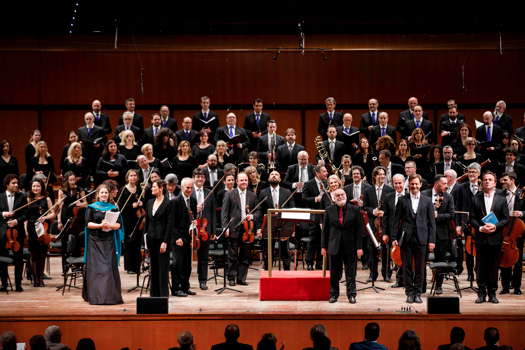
[
  {"x": 8, "y": 163},
  {"x": 111, "y": 165},
  {"x": 365, "y": 158},
  {"x": 202, "y": 149},
  {"x": 184, "y": 163}
]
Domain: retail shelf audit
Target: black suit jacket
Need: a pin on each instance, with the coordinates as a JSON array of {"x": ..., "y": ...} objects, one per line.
[
  {"x": 452, "y": 127},
  {"x": 212, "y": 122},
  {"x": 209, "y": 211},
  {"x": 421, "y": 224},
  {"x": 231, "y": 346},
  {"x": 251, "y": 125},
  {"x": 88, "y": 138},
  {"x": 262, "y": 146},
  {"x": 148, "y": 137},
  {"x": 504, "y": 122},
  {"x": 268, "y": 203},
  {"x": 339, "y": 151},
  {"x": 103, "y": 122},
  {"x": 402, "y": 123},
  {"x": 20, "y": 216},
  {"x": 445, "y": 214},
  {"x": 192, "y": 136},
  {"x": 170, "y": 123},
  {"x": 206, "y": 171},
  {"x": 389, "y": 209},
  {"x": 161, "y": 225},
  {"x": 367, "y": 345},
  {"x": 350, "y": 142},
  {"x": 496, "y": 141},
  {"x": 183, "y": 220},
  {"x": 439, "y": 168},
  {"x": 231, "y": 210},
  {"x": 138, "y": 121},
  {"x": 136, "y": 131},
  {"x": 346, "y": 236},
  {"x": 366, "y": 121},
  {"x": 292, "y": 174},
  {"x": 478, "y": 211},
  {"x": 310, "y": 191},
  {"x": 519, "y": 169},
  {"x": 349, "y": 189},
  {"x": 285, "y": 158},
  {"x": 325, "y": 122},
  {"x": 375, "y": 134},
  {"x": 520, "y": 132},
  {"x": 370, "y": 200},
  {"x": 425, "y": 124},
  {"x": 222, "y": 134}
]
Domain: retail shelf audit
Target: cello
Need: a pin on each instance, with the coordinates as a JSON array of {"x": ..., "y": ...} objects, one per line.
[{"x": 509, "y": 250}]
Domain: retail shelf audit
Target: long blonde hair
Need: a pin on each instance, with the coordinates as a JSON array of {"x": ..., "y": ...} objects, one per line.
[
  {"x": 70, "y": 157},
  {"x": 37, "y": 149},
  {"x": 123, "y": 136}
]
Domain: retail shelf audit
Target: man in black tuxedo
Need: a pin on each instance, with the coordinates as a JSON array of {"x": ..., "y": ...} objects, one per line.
[
  {"x": 297, "y": 175},
  {"x": 511, "y": 276},
  {"x": 449, "y": 126},
  {"x": 268, "y": 143},
  {"x": 313, "y": 191},
  {"x": 490, "y": 137},
  {"x": 232, "y": 133},
  {"x": 206, "y": 119},
  {"x": 444, "y": 213},
  {"x": 355, "y": 191},
  {"x": 101, "y": 119},
  {"x": 452, "y": 104},
  {"x": 275, "y": 198},
  {"x": 151, "y": 133},
  {"x": 288, "y": 151},
  {"x": 185, "y": 207},
  {"x": 232, "y": 334},
  {"x": 520, "y": 132},
  {"x": 211, "y": 172},
  {"x": 419, "y": 122},
  {"x": 206, "y": 210},
  {"x": 415, "y": 233},
  {"x": 391, "y": 168},
  {"x": 348, "y": 134},
  {"x": 256, "y": 124},
  {"x": 447, "y": 163},
  {"x": 373, "y": 201},
  {"x": 330, "y": 117},
  {"x": 235, "y": 208},
  {"x": 92, "y": 138},
  {"x": 11, "y": 200},
  {"x": 411, "y": 169},
  {"x": 454, "y": 189},
  {"x": 127, "y": 124},
  {"x": 369, "y": 119},
  {"x": 341, "y": 240},
  {"x": 502, "y": 119},
  {"x": 382, "y": 129},
  {"x": 187, "y": 133},
  {"x": 406, "y": 116},
  {"x": 165, "y": 120},
  {"x": 511, "y": 165},
  {"x": 137, "y": 118},
  {"x": 488, "y": 236},
  {"x": 334, "y": 147}
]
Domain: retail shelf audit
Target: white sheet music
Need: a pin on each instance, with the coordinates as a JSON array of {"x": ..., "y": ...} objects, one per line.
[{"x": 111, "y": 217}]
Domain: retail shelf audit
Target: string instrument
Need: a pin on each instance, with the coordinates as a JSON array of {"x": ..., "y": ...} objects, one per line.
[
  {"x": 378, "y": 222},
  {"x": 248, "y": 236},
  {"x": 364, "y": 216},
  {"x": 12, "y": 239},
  {"x": 509, "y": 249},
  {"x": 465, "y": 176},
  {"x": 195, "y": 241},
  {"x": 470, "y": 242},
  {"x": 395, "y": 252},
  {"x": 141, "y": 212},
  {"x": 202, "y": 222}
]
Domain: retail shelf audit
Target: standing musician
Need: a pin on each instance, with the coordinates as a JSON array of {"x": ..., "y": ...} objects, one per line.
[
  {"x": 231, "y": 133},
  {"x": 297, "y": 175},
  {"x": 206, "y": 212},
  {"x": 343, "y": 230},
  {"x": 488, "y": 236},
  {"x": 11, "y": 200},
  {"x": 373, "y": 201},
  {"x": 275, "y": 199},
  {"x": 71, "y": 216},
  {"x": 511, "y": 276},
  {"x": 389, "y": 211},
  {"x": 256, "y": 123},
  {"x": 235, "y": 208},
  {"x": 35, "y": 217},
  {"x": 267, "y": 145},
  {"x": 185, "y": 207},
  {"x": 444, "y": 214},
  {"x": 313, "y": 192},
  {"x": 132, "y": 211},
  {"x": 415, "y": 233},
  {"x": 160, "y": 218},
  {"x": 287, "y": 152}
]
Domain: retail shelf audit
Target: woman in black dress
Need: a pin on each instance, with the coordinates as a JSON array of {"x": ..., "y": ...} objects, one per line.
[
  {"x": 36, "y": 221},
  {"x": 460, "y": 145},
  {"x": 419, "y": 149},
  {"x": 30, "y": 150},
  {"x": 255, "y": 184},
  {"x": 184, "y": 163},
  {"x": 470, "y": 156},
  {"x": 72, "y": 136},
  {"x": 165, "y": 145},
  {"x": 203, "y": 149},
  {"x": 128, "y": 146},
  {"x": 159, "y": 226},
  {"x": 111, "y": 165},
  {"x": 129, "y": 205},
  {"x": 221, "y": 151},
  {"x": 42, "y": 163},
  {"x": 8, "y": 163},
  {"x": 402, "y": 154},
  {"x": 102, "y": 253},
  {"x": 365, "y": 158},
  {"x": 75, "y": 163},
  {"x": 345, "y": 172}
]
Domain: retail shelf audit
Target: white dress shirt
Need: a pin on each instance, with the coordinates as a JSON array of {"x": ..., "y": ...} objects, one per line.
[
  {"x": 488, "y": 198},
  {"x": 415, "y": 201},
  {"x": 242, "y": 195}
]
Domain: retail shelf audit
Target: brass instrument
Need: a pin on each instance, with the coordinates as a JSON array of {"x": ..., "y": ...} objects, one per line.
[{"x": 323, "y": 154}]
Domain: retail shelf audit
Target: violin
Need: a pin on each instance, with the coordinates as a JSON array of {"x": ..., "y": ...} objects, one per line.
[
  {"x": 194, "y": 232},
  {"x": 202, "y": 229},
  {"x": 12, "y": 239},
  {"x": 378, "y": 223},
  {"x": 248, "y": 236}
]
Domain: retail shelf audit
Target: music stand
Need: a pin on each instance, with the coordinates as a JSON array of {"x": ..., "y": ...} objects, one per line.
[{"x": 224, "y": 287}]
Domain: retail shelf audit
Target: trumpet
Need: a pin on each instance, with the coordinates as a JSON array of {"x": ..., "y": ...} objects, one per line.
[{"x": 323, "y": 154}]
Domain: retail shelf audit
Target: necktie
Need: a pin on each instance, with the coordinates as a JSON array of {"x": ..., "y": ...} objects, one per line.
[
  {"x": 447, "y": 166},
  {"x": 332, "y": 148},
  {"x": 347, "y": 131},
  {"x": 356, "y": 192},
  {"x": 187, "y": 134},
  {"x": 382, "y": 131},
  {"x": 474, "y": 189},
  {"x": 257, "y": 118},
  {"x": 330, "y": 115},
  {"x": 373, "y": 117},
  {"x": 489, "y": 136},
  {"x": 378, "y": 193},
  {"x": 213, "y": 177},
  {"x": 154, "y": 131},
  {"x": 89, "y": 131},
  {"x": 341, "y": 215},
  {"x": 200, "y": 198},
  {"x": 398, "y": 195},
  {"x": 205, "y": 115},
  {"x": 290, "y": 148},
  {"x": 231, "y": 131},
  {"x": 188, "y": 204},
  {"x": 417, "y": 123},
  {"x": 97, "y": 116}
]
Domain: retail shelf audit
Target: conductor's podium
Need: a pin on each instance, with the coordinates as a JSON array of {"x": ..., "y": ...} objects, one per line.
[{"x": 294, "y": 285}]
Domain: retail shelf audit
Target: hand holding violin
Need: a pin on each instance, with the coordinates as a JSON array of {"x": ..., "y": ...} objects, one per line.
[{"x": 7, "y": 214}]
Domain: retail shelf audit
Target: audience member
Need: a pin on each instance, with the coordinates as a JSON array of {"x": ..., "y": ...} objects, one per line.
[
  {"x": 231, "y": 334},
  {"x": 53, "y": 337},
  {"x": 371, "y": 335},
  {"x": 185, "y": 340},
  {"x": 409, "y": 341},
  {"x": 319, "y": 337},
  {"x": 491, "y": 337},
  {"x": 86, "y": 344},
  {"x": 38, "y": 342},
  {"x": 268, "y": 342},
  {"x": 457, "y": 336},
  {"x": 8, "y": 341}
]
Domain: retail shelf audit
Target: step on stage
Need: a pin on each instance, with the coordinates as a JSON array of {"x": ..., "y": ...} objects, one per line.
[{"x": 207, "y": 313}]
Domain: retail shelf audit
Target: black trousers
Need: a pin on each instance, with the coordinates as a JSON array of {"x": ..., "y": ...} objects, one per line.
[
  {"x": 414, "y": 274},
  {"x": 158, "y": 269},
  {"x": 238, "y": 259},
  {"x": 313, "y": 249},
  {"x": 132, "y": 246},
  {"x": 18, "y": 258},
  {"x": 386, "y": 271},
  {"x": 487, "y": 260},
  {"x": 283, "y": 253},
  {"x": 440, "y": 252},
  {"x": 511, "y": 276},
  {"x": 337, "y": 262},
  {"x": 181, "y": 269},
  {"x": 202, "y": 261}
]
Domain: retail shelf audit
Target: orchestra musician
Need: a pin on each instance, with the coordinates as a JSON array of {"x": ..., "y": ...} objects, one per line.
[{"x": 256, "y": 123}]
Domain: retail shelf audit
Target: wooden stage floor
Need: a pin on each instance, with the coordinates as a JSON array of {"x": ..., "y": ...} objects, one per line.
[{"x": 49, "y": 302}]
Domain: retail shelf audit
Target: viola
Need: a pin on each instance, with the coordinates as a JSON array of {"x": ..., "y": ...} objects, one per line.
[
  {"x": 202, "y": 229},
  {"x": 12, "y": 239}
]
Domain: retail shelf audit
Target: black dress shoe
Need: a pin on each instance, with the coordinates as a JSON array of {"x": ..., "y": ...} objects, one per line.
[
  {"x": 3, "y": 289},
  {"x": 517, "y": 291},
  {"x": 417, "y": 299},
  {"x": 332, "y": 300},
  {"x": 351, "y": 299},
  {"x": 19, "y": 289},
  {"x": 410, "y": 299},
  {"x": 504, "y": 291},
  {"x": 309, "y": 268},
  {"x": 388, "y": 279},
  {"x": 231, "y": 283},
  {"x": 396, "y": 285},
  {"x": 189, "y": 292},
  {"x": 242, "y": 283},
  {"x": 369, "y": 279},
  {"x": 46, "y": 277},
  {"x": 493, "y": 299},
  {"x": 480, "y": 299},
  {"x": 439, "y": 291},
  {"x": 180, "y": 293},
  {"x": 202, "y": 286}
]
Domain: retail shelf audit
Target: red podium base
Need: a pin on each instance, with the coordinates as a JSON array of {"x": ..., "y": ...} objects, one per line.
[{"x": 294, "y": 285}]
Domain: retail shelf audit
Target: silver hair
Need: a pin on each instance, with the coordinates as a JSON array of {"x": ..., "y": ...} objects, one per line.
[
  {"x": 475, "y": 166},
  {"x": 452, "y": 173},
  {"x": 398, "y": 176},
  {"x": 171, "y": 179}
]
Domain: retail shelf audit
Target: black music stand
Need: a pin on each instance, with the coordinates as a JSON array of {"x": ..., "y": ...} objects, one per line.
[{"x": 224, "y": 277}]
